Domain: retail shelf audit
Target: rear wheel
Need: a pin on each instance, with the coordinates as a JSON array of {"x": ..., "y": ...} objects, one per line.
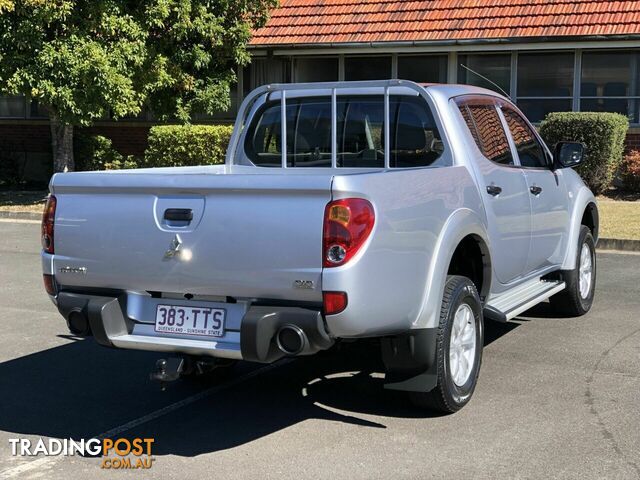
[
  {"x": 576, "y": 299},
  {"x": 458, "y": 350}
]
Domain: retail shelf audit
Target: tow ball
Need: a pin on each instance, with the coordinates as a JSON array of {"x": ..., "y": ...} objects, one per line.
[{"x": 168, "y": 370}]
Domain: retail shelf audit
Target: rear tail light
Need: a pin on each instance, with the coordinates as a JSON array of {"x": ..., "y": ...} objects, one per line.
[
  {"x": 49, "y": 284},
  {"x": 334, "y": 302},
  {"x": 347, "y": 225},
  {"x": 48, "y": 220}
]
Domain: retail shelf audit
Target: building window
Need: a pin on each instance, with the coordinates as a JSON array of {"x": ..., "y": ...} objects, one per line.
[
  {"x": 37, "y": 110},
  {"x": 609, "y": 83},
  {"x": 423, "y": 68},
  {"x": 13, "y": 107},
  {"x": 263, "y": 71},
  {"x": 496, "y": 68},
  {"x": 314, "y": 69},
  {"x": 367, "y": 68},
  {"x": 545, "y": 83}
]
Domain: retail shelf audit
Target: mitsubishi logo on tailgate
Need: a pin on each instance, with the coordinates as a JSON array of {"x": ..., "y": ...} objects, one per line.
[{"x": 176, "y": 250}]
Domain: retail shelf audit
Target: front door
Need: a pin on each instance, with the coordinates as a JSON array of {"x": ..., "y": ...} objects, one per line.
[
  {"x": 504, "y": 188},
  {"x": 547, "y": 193}
]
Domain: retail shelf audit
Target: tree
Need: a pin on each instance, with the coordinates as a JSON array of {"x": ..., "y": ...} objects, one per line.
[{"x": 86, "y": 60}]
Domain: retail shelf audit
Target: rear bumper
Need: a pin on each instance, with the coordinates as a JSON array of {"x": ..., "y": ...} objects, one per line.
[{"x": 126, "y": 321}]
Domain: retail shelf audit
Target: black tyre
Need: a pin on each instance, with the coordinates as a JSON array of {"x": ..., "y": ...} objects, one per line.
[
  {"x": 458, "y": 350},
  {"x": 576, "y": 299}
]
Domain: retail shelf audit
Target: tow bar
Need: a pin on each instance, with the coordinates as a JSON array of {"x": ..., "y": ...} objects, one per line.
[{"x": 172, "y": 368}]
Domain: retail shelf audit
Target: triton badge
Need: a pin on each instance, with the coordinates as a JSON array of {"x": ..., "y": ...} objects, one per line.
[{"x": 78, "y": 270}]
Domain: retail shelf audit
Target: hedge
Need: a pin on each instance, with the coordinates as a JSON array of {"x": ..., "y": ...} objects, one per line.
[
  {"x": 630, "y": 171},
  {"x": 95, "y": 152},
  {"x": 603, "y": 135},
  {"x": 174, "y": 145}
]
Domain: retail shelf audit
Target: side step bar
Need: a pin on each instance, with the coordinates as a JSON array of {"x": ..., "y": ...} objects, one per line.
[{"x": 512, "y": 303}]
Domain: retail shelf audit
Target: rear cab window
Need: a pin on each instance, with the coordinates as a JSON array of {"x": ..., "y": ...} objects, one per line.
[{"x": 415, "y": 140}]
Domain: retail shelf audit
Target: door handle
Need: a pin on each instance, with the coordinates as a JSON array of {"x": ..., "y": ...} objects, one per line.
[
  {"x": 535, "y": 190},
  {"x": 494, "y": 190},
  {"x": 178, "y": 214}
]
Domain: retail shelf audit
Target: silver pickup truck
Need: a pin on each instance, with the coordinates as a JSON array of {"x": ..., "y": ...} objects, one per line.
[{"x": 390, "y": 210}]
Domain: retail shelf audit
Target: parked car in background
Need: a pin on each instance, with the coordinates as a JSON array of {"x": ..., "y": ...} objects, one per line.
[{"x": 345, "y": 210}]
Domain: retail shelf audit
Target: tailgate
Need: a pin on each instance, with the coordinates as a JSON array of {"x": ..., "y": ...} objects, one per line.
[{"x": 251, "y": 236}]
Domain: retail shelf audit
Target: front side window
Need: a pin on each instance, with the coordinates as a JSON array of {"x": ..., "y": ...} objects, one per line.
[
  {"x": 530, "y": 151},
  {"x": 486, "y": 129},
  {"x": 415, "y": 139}
]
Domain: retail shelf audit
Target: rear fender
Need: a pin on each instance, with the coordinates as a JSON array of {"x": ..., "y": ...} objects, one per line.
[{"x": 460, "y": 224}]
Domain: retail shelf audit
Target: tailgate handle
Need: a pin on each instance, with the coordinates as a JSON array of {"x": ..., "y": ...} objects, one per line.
[{"x": 178, "y": 214}]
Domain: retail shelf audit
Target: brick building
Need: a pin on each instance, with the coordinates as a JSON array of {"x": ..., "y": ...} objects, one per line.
[{"x": 560, "y": 55}]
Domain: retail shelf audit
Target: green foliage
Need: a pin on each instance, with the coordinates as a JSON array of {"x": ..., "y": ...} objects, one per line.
[
  {"x": 95, "y": 152},
  {"x": 175, "y": 145},
  {"x": 87, "y": 60},
  {"x": 6, "y": 5},
  {"x": 603, "y": 135}
]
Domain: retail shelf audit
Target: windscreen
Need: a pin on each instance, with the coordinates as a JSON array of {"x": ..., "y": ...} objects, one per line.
[{"x": 360, "y": 142}]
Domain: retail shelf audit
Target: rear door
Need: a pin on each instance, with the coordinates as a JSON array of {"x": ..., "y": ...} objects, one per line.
[
  {"x": 547, "y": 192},
  {"x": 504, "y": 188}
]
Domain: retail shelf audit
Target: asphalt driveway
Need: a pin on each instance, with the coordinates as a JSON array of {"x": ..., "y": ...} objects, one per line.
[{"x": 557, "y": 398}]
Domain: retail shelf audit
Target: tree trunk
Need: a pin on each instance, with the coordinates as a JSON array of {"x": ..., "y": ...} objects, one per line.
[{"x": 62, "y": 143}]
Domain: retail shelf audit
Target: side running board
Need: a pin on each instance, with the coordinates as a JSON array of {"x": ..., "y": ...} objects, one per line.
[{"x": 512, "y": 303}]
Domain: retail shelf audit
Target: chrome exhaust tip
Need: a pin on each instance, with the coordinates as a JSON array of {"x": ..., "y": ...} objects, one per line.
[{"x": 291, "y": 340}]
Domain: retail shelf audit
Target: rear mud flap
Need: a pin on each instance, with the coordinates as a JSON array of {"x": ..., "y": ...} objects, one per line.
[{"x": 410, "y": 361}]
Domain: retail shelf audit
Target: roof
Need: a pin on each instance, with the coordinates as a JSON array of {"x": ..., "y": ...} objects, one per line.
[{"x": 318, "y": 22}]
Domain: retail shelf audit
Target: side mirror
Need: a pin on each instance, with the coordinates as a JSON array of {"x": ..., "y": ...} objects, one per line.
[{"x": 568, "y": 154}]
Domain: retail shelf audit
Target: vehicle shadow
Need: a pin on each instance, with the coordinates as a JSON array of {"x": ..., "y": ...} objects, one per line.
[{"x": 80, "y": 390}]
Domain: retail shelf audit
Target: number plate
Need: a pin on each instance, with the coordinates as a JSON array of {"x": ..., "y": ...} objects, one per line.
[{"x": 177, "y": 319}]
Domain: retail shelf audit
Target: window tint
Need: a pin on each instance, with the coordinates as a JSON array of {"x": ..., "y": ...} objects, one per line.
[
  {"x": 308, "y": 134},
  {"x": 530, "y": 152},
  {"x": 486, "y": 128},
  {"x": 415, "y": 140},
  {"x": 361, "y": 131}
]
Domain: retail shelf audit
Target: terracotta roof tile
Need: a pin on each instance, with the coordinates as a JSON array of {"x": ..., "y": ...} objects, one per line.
[{"x": 346, "y": 21}]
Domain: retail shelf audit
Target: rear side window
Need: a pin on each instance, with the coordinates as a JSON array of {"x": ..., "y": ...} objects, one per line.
[
  {"x": 415, "y": 139},
  {"x": 487, "y": 131},
  {"x": 530, "y": 151}
]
